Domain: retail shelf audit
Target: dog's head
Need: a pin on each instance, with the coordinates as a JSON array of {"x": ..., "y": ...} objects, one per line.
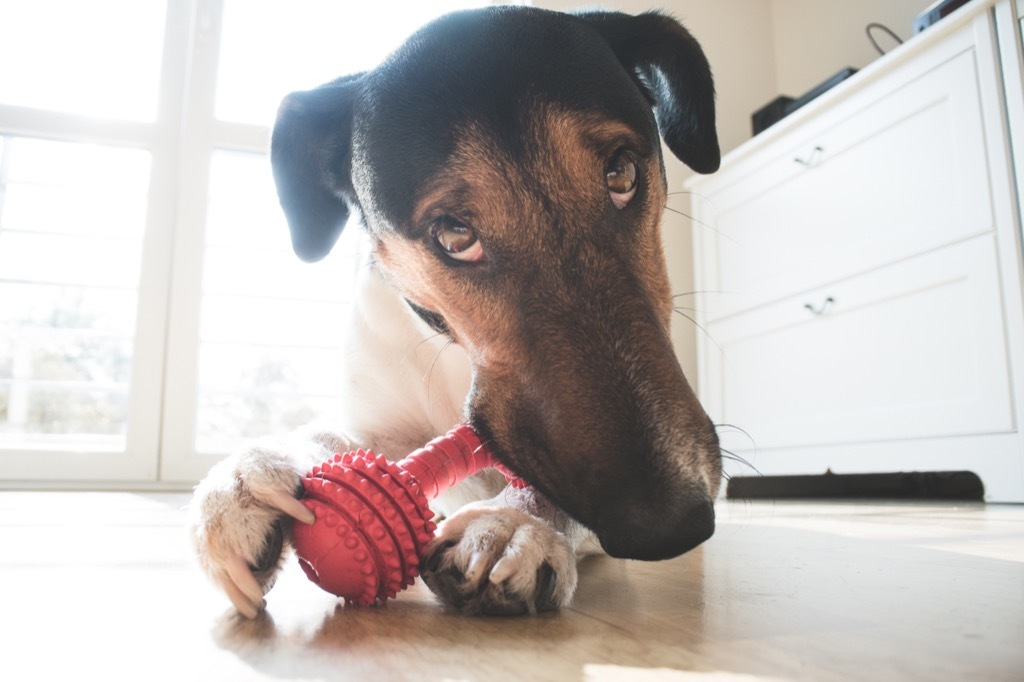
[{"x": 507, "y": 165}]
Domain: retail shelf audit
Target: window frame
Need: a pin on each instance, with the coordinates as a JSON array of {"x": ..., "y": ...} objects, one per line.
[
  {"x": 159, "y": 447},
  {"x": 139, "y": 461}
]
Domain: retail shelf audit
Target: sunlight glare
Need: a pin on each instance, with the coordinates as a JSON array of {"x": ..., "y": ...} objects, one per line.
[{"x": 77, "y": 57}]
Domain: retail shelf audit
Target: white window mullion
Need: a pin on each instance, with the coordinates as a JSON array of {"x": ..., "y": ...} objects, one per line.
[
  {"x": 180, "y": 460},
  {"x": 159, "y": 265}
]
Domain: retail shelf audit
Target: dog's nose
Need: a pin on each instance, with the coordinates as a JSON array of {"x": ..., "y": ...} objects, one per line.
[{"x": 637, "y": 529}]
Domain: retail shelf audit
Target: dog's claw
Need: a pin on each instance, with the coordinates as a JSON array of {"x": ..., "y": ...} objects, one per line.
[
  {"x": 287, "y": 503},
  {"x": 477, "y": 566},
  {"x": 506, "y": 567},
  {"x": 240, "y": 601},
  {"x": 241, "y": 577},
  {"x": 547, "y": 578}
]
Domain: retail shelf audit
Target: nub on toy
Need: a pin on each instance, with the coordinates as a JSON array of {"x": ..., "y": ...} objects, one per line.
[{"x": 372, "y": 519}]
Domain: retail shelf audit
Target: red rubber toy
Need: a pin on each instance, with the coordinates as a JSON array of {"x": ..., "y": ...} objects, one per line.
[{"x": 372, "y": 520}]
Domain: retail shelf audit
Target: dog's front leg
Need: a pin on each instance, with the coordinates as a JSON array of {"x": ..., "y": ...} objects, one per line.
[
  {"x": 242, "y": 512},
  {"x": 510, "y": 555}
]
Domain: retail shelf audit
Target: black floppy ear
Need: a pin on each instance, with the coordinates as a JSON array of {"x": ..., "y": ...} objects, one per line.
[
  {"x": 675, "y": 74},
  {"x": 311, "y": 156}
]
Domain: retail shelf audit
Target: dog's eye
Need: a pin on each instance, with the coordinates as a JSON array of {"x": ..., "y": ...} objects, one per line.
[
  {"x": 620, "y": 176},
  {"x": 458, "y": 241}
]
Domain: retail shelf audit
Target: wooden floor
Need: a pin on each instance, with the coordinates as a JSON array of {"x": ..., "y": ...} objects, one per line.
[{"x": 102, "y": 586}]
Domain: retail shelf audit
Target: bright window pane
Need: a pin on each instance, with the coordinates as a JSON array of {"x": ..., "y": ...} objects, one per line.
[
  {"x": 272, "y": 47},
  {"x": 270, "y": 324},
  {"x": 89, "y": 57},
  {"x": 72, "y": 218}
]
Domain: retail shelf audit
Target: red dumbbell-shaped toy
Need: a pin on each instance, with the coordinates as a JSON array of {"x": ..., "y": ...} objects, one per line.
[{"x": 372, "y": 519}]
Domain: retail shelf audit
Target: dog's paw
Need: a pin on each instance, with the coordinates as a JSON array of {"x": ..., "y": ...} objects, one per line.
[
  {"x": 241, "y": 517},
  {"x": 500, "y": 561}
]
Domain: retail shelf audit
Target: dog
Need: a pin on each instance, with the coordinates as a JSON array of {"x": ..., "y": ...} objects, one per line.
[{"x": 506, "y": 166}]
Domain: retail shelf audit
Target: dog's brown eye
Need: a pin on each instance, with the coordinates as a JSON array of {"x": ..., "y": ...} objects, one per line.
[
  {"x": 620, "y": 177},
  {"x": 458, "y": 241}
]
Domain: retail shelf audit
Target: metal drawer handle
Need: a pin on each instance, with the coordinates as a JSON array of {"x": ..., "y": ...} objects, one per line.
[
  {"x": 812, "y": 159},
  {"x": 818, "y": 312}
]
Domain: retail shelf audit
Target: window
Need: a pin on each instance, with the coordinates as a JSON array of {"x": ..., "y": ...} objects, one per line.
[
  {"x": 71, "y": 219},
  {"x": 141, "y": 337}
]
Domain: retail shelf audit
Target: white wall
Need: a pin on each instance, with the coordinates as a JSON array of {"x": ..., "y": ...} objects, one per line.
[{"x": 816, "y": 38}]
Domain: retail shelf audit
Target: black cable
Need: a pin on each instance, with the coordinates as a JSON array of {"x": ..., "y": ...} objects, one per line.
[{"x": 874, "y": 25}]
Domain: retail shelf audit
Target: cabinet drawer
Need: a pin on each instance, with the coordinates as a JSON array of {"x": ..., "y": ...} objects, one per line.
[
  {"x": 911, "y": 350},
  {"x": 903, "y": 173}
]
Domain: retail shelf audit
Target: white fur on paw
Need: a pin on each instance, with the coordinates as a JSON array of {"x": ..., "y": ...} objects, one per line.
[
  {"x": 240, "y": 520},
  {"x": 499, "y": 560}
]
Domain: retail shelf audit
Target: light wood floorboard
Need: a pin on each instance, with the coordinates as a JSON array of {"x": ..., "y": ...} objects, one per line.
[{"x": 102, "y": 586}]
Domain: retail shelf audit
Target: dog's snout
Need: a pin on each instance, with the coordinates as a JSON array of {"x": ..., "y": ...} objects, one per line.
[
  {"x": 616, "y": 439},
  {"x": 635, "y": 528}
]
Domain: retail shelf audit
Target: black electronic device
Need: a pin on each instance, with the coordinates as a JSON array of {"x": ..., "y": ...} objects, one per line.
[
  {"x": 934, "y": 13},
  {"x": 769, "y": 114},
  {"x": 783, "y": 106},
  {"x": 821, "y": 88}
]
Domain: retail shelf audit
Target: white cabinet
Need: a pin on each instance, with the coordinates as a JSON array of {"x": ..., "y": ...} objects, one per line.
[
  {"x": 904, "y": 351},
  {"x": 906, "y": 174},
  {"x": 865, "y": 260}
]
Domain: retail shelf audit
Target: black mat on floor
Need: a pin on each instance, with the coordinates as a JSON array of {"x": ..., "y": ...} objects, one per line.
[{"x": 914, "y": 485}]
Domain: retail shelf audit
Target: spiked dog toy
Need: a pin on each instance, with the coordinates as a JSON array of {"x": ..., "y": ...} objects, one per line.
[{"x": 372, "y": 520}]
